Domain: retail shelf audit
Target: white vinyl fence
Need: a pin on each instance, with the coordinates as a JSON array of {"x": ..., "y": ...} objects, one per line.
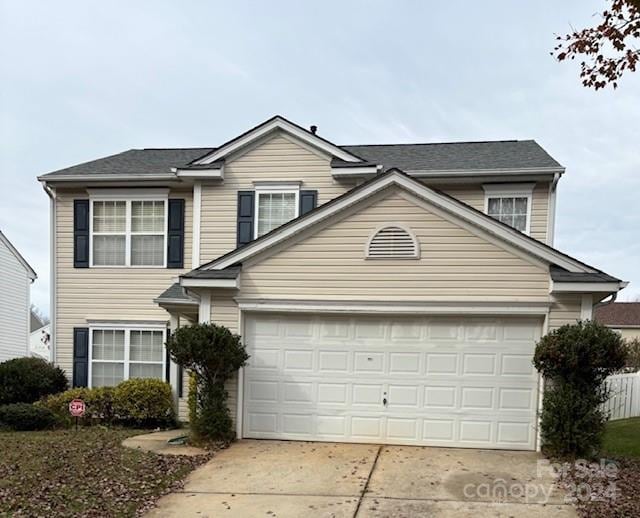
[{"x": 625, "y": 396}]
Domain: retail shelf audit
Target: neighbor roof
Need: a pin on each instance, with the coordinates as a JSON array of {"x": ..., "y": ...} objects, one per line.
[
  {"x": 618, "y": 314},
  {"x": 35, "y": 323},
  {"x": 499, "y": 156}
]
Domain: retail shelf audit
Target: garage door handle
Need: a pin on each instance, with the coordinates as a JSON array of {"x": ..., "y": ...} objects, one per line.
[{"x": 384, "y": 401}]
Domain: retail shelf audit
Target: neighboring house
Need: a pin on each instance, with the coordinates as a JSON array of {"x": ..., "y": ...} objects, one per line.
[
  {"x": 623, "y": 317},
  {"x": 40, "y": 337},
  {"x": 16, "y": 277},
  {"x": 385, "y": 293}
]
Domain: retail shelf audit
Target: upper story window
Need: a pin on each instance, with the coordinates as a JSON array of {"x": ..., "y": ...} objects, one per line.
[
  {"x": 121, "y": 354},
  {"x": 275, "y": 206},
  {"x": 128, "y": 232},
  {"x": 510, "y": 204}
]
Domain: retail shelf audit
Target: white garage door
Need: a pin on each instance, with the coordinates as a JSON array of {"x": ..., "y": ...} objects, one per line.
[{"x": 464, "y": 382}]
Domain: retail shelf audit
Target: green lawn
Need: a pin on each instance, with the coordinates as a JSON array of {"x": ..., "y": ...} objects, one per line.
[
  {"x": 88, "y": 473},
  {"x": 622, "y": 438}
]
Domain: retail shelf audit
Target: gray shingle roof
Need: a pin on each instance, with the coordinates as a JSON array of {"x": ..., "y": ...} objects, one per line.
[
  {"x": 561, "y": 275},
  {"x": 231, "y": 272},
  {"x": 175, "y": 292},
  {"x": 456, "y": 156}
]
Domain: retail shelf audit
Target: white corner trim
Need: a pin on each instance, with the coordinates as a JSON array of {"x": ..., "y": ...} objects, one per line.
[
  {"x": 204, "y": 309},
  {"x": 516, "y": 238},
  {"x": 404, "y": 308},
  {"x": 551, "y": 209},
  {"x": 587, "y": 287},
  {"x": 210, "y": 283},
  {"x": 195, "y": 235},
  {"x": 275, "y": 124},
  {"x": 586, "y": 307}
]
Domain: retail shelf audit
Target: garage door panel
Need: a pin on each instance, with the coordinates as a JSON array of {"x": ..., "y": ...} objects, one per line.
[{"x": 446, "y": 381}]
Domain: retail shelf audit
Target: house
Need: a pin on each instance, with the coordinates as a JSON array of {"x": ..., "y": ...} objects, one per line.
[
  {"x": 623, "y": 317},
  {"x": 16, "y": 277},
  {"x": 40, "y": 337},
  {"x": 385, "y": 293}
]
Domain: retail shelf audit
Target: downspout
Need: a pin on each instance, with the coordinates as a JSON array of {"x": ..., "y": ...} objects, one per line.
[{"x": 52, "y": 262}]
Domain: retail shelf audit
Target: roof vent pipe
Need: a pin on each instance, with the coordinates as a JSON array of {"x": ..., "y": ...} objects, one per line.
[{"x": 314, "y": 129}]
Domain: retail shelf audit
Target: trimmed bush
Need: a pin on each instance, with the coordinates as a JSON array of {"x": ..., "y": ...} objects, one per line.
[
  {"x": 98, "y": 404},
  {"x": 633, "y": 354},
  {"x": 25, "y": 380},
  {"x": 575, "y": 360},
  {"x": 144, "y": 402},
  {"x": 212, "y": 354},
  {"x": 26, "y": 417}
]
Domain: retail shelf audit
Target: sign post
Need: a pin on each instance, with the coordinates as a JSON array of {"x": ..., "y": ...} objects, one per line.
[{"x": 76, "y": 409}]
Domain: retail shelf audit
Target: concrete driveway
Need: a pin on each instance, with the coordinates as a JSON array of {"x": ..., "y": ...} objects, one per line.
[{"x": 292, "y": 479}]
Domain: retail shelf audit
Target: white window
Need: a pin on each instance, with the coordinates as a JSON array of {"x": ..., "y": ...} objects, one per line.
[
  {"x": 128, "y": 232},
  {"x": 274, "y": 207},
  {"x": 510, "y": 204},
  {"x": 121, "y": 354}
]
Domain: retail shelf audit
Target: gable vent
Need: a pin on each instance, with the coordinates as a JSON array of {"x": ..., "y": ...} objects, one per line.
[{"x": 393, "y": 242}]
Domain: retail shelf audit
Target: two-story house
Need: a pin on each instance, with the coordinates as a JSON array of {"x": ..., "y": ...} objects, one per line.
[{"x": 385, "y": 293}]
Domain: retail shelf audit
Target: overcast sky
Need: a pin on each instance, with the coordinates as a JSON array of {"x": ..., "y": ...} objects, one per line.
[{"x": 84, "y": 79}]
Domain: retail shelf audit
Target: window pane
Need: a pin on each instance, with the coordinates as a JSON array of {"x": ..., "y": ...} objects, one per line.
[
  {"x": 275, "y": 209},
  {"x": 520, "y": 223},
  {"x": 109, "y": 216},
  {"x": 146, "y": 346},
  {"x": 106, "y": 374},
  {"x": 147, "y": 250},
  {"x": 107, "y": 344},
  {"x": 145, "y": 370},
  {"x": 507, "y": 206},
  {"x": 108, "y": 250},
  {"x": 509, "y": 210},
  {"x": 494, "y": 206},
  {"x": 147, "y": 216},
  {"x": 520, "y": 206}
]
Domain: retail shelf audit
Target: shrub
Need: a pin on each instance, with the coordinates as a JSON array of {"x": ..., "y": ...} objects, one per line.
[
  {"x": 98, "y": 404},
  {"x": 633, "y": 354},
  {"x": 25, "y": 380},
  {"x": 213, "y": 354},
  {"x": 575, "y": 360},
  {"x": 144, "y": 402},
  {"x": 26, "y": 417}
]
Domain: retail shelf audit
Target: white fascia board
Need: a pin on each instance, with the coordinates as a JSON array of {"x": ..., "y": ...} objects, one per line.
[
  {"x": 586, "y": 287},
  {"x": 175, "y": 302},
  {"x": 106, "y": 177},
  {"x": 485, "y": 172},
  {"x": 188, "y": 282},
  {"x": 281, "y": 124},
  {"x": 467, "y": 213},
  {"x": 345, "y": 172},
  {"x": 201, "y": 174},
  {"x": 359, "y": 307}
]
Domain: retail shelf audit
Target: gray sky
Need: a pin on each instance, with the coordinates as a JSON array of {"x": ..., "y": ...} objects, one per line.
[{"x": 84, "y": 79}]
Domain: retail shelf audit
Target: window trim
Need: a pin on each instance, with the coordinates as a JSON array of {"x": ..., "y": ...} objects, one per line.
[
  {"x": 127, "y": 343},
  {"x": 274, "y": 189},
  {"x": 510, "y": 190},
  {"x": 113, "y": 195}
]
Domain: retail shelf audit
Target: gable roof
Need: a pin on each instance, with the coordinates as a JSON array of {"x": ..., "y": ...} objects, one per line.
[
  {"x": 618, "y": 314},
  {"x": 396, "y": 177},
  {"x": 499, "y": 157},
  {"x": 30, "y": 271},
  {"x": 35, "y": 323}
]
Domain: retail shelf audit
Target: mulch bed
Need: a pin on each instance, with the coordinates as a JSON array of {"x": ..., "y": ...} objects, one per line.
[
  {"x": 86, "y": 473},
  {"x": 595, "y": 496}
]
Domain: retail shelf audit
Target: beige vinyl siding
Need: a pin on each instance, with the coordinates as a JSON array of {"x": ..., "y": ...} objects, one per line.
[
  {"x": 473, "y": 194},
  {"x": 278, "y": 158},
  {"x": 105, "y": 293},
  {"x": 565, "y": 309},
  {"x": 454, "y": 264}
]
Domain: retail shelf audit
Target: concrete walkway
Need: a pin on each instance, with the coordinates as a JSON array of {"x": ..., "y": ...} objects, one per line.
[
  {"x": 292, "y": 479},
  {"x": 157, "y": 443}
]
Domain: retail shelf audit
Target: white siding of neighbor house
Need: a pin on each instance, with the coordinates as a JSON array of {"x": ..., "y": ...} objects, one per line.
[
  {"x": 14, "y": 306},
  {"x": 114, "y": 294}
]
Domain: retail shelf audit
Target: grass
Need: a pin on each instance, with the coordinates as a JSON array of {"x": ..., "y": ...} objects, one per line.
[
  {"x": 622, "y": 438},
  {"x": 84, "y": 473}
]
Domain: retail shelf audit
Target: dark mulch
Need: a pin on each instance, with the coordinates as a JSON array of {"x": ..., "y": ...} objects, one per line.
[
  {"x": 88, "y": 473},
  {"x": 614, "y": 496}
]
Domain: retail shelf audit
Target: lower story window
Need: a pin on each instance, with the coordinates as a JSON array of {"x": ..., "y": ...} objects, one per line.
[{"x": 120, "y": 354}]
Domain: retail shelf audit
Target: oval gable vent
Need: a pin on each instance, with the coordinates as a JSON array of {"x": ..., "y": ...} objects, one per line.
[{"x": 393, "y": 242}]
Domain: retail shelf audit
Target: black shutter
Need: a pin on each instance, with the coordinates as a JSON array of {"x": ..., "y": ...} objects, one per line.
[
  {"x": 81, "y": 233},
  {"x": 308, "y": 201},
  {"x": 245, "y": 217},
  {"x": 80, "y": 356},
  {"x": 180, "y": 383},
  {"x": 167, "y": 361},
  {"x": 175, "y": 234}
]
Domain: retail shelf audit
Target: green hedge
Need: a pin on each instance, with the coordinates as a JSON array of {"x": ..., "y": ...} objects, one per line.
[
  {"x": 136, "y": 402},
  {"x": 26, "y": 417},
  {"x": 25, "y": 380}
]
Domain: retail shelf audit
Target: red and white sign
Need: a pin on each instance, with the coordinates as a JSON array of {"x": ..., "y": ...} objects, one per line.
[{"x": 76, "y": 408}]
